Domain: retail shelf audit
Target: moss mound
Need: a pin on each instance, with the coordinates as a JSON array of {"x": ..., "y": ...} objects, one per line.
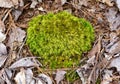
[{"x": 59, "y": 39}]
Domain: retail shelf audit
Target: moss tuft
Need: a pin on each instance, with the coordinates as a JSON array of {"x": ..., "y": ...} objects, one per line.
[{"x": 59, "y": 39}]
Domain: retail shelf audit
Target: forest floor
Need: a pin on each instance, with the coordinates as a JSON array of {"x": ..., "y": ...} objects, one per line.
[{"x": 100, "y": 65}]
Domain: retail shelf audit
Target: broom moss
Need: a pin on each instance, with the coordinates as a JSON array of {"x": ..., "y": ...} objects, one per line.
[{"x": 59, "y": 39}]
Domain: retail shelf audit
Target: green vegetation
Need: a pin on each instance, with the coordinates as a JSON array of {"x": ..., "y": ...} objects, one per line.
[
  {"x": 71, "y": 76},
  {"x": 59, "y": 39}
]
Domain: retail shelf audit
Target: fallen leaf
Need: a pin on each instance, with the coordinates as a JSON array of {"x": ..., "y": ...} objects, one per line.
[
  {"x": 11, "y": 3},
  {"x": 39, "y": 82},
  {"x": 16, "y": 13},
  {"x": 2, "y": 26},
  {"x": 45, "y": 78},
  {"x": 40, "y": 0},
  {"x": 6, "y": 3},
  {"x": 111, "y": 14},
  {"x": 20, "y": 77},
  {"x": 82, "y": 75},
  {"x": 107, "y": 77},
  {"x": 115, "y": 63},
  {"x": 2, "y": 81},
  {"x": 3, "y": 50},
  {"x": 15, "y": 2},
  {"x": 113, "y": 36},
  {"x": 79, "y": 3},
  {"x": 2, "y": 36},
  {"x": 113, "y": 48},
  {"x": 41, "y": 9},
  {"x": 25, "y": 62},
  {"x": 29, "y": 76},
  {"x": 108, "y": 2},
  {"x": 96, "y": 49},
  {"x": 32, "y": 82},
  {"x": 116, "y": 25},
  {"x": 34, "y": 3},
  {"x": 2, "y": 60},
  {"x": 9, "y": 73},
  {"x": 69, "y": 10},
  {"x": 118, "y": 3},
  {"x": 60, "y": 76},
  {"x": 113, "y": 18},
  {"x": 16, "y": 36},
  {"x": 21, "y": 3},
  {"x": 63, "y": 2},
  {"x": 4, "y": 77},
  {"x": 91, "y": 60}
]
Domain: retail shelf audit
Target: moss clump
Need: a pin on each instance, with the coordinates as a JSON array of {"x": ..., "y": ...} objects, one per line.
[{"x": 59, "y": 39}]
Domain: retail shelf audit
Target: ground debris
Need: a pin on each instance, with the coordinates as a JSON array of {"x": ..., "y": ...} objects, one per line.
[
  {"x": 25, "y": 62},
  {"x": 18, "y": 64}
]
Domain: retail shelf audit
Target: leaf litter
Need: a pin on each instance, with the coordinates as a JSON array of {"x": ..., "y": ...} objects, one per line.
[
  {"x": 60, "y": 76},
  {"x": 16, "y": 35},
  {"x": 25, "y": 62},
  {"x": 103, "y": 58}
]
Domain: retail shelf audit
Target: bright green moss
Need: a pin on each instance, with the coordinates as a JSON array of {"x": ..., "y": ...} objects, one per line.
[{"x": 59, "y": 39}]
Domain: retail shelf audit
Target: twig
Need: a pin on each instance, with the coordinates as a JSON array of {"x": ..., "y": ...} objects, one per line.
[
  {"x": 21, "y": 46},
  {"x": 6, "y": 15},
  {"x": 91, "y": 74},
  {"x": 11, "y": 23}
]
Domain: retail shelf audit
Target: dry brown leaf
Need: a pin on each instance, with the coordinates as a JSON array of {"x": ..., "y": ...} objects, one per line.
[
  {"x": 108, "y": 2},
  {"x": 79, "y": 3},
  {"x": 16, "y": 36},
  {"x": 96, "y": 49}
]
